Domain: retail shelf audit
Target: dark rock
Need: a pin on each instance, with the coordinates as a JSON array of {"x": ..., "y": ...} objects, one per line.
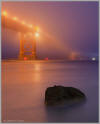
[{"x": 59, "y": 95}]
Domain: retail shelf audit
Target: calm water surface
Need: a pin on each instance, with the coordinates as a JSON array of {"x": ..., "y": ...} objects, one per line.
[{"x": 24, "y": 84}]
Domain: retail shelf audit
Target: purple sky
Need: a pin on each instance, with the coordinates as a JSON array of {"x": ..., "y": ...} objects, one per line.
[{"x": 66, "y": 27}]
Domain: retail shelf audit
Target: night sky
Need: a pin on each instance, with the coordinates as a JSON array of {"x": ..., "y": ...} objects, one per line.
[{"x": 65, "y": 28}]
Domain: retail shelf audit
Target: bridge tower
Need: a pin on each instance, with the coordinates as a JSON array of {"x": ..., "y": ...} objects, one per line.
[
  {"x": 27, "y": 48},
  {"x": 27, "y": 44}
]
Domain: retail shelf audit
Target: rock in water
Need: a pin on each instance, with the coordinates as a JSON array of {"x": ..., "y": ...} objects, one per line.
[{"x": 60, "y": 95}]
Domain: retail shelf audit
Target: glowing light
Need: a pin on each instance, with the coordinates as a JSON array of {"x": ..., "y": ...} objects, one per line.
[
  {"x": 37, "y": 28},
  {"x": 23, "y": 22},
  {"x": 93, "y": 59},
  {"x": 36, "y": 34},
  {"x": 15, "y": 18},
  {"x": 25, "y": 58},
  {"x": 4, "y": 13},
  {"x": 46, "y": 58}
]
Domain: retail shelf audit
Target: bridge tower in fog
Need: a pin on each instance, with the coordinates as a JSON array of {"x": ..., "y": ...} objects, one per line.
[
  {"x": 28, "y": 36},
  {"x": 27, "y": 48}
]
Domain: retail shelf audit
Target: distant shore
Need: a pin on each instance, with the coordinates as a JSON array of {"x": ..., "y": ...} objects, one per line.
[{"x": 51, "y": 60}]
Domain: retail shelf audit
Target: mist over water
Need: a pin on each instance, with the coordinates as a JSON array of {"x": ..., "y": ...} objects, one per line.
[{"x": 26, "y": 82}]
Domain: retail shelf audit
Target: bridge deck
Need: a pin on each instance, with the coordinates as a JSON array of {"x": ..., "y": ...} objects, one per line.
[{"x": 15, "y": 25}]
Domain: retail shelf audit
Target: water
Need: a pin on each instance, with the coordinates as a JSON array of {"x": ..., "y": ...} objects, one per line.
[{"x": 24, "y": 84}]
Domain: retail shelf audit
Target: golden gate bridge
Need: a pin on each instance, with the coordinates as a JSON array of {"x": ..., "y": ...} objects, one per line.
[{"x": 27, "y": 46}]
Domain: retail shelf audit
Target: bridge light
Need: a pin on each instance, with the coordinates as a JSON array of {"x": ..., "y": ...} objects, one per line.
[
  {"x": 93, "y": 59},
  {"x": 4, "y": 13},
  {"x": 37, "y": 28},
  {"x": 15, "y": 18},
  {"x": 25, "y": 58},
  {"x": 23, "y": 22},
  {"x": 36, "y": 34}
]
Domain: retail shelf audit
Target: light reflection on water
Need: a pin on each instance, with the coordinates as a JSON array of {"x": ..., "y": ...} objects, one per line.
[{"x": 26, "y": 84}]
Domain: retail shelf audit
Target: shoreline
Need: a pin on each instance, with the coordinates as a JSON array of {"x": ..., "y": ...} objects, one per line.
[{"x": 53, "y": 60}]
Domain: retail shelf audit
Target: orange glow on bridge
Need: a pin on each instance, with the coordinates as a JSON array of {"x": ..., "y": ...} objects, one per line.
[
  {"x": 36, "y": 28},
  {"x": 27, "y": 33},
  {"x": 37, "y": 34},
  {"x": 15, "y": 18},
  {"x": 4, "y": 13},
  {"x": 25, "y": 58},
  {"x": 23, "y": 23}
]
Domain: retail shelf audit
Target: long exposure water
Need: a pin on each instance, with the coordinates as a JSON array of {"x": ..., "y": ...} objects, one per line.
[{"x": 24, "y": 84}]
